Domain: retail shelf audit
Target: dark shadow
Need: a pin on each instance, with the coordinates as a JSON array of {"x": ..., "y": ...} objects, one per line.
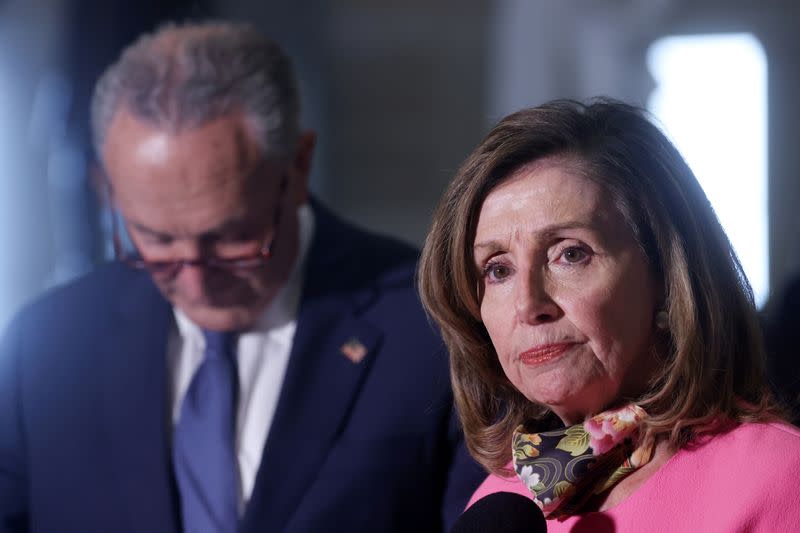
[
  {"x": 594, "y": 523},
  {"x": 782, "y": 338}
]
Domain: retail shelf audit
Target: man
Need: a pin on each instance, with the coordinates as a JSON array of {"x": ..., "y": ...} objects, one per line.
[{"x": 251, "y": 362}]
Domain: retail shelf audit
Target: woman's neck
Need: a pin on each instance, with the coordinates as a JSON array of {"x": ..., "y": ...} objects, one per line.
[{"x": 661, "y": 454}]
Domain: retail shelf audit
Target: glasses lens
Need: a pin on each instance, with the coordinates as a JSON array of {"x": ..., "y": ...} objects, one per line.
[
  {"x": 162, "y": 268},
  {"x": 126, "y": 252},
  {"x": 239, "y": 263}
]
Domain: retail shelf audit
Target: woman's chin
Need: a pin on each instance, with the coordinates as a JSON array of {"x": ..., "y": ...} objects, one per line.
[{"x": 570, "y": 407}]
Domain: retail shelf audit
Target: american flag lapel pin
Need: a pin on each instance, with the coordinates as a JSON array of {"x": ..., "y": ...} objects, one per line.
[{"x": 354, "y": 350}]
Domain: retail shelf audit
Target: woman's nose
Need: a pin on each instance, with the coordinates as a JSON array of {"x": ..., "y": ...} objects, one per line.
[{"x": 534, "y": 303}]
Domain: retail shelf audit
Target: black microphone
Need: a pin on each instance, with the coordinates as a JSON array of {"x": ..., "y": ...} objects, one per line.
[{"x": 501, "y": 511}]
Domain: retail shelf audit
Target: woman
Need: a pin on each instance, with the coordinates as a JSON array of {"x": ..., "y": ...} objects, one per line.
[{"x": 578, "y": 273}]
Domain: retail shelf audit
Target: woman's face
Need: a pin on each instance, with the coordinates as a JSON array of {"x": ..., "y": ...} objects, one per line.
[{"x": 568, "y": 298}]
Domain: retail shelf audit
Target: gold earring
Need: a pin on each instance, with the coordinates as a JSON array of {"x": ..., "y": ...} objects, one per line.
[{"x": 662, "y": 320}]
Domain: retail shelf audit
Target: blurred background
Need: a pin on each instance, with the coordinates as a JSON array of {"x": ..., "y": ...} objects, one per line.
[{"x": 401, "y": 91}]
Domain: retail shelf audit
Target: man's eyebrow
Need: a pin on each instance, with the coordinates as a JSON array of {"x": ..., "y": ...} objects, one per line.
[
  {"x": 231, "y": 224},
  {"x": 141, "y": 228}
]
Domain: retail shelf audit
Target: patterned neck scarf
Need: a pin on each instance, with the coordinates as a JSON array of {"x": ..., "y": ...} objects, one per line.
[{"x": 567, "y": 467}]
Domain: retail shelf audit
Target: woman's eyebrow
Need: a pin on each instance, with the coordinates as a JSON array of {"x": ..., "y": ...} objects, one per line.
[
  {"x": 492, "y": 244},
  {"x": 542, "y": 233}
]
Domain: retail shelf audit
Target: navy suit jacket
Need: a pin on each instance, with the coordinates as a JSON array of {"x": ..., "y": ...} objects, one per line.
[{"x": 369, "y": 446}]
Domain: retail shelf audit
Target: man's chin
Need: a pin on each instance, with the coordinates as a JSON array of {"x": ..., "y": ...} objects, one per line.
[{"x": 220, "y": 319}]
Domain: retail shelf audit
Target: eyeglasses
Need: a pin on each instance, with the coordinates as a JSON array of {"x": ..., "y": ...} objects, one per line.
[{"x": 170, "y": 269}]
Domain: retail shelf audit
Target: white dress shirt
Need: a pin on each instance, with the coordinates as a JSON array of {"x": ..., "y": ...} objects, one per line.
[{"x": 262, "y": 356}]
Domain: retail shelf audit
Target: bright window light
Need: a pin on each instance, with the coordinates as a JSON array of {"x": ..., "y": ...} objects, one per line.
[{"x": 711, "y": 99}]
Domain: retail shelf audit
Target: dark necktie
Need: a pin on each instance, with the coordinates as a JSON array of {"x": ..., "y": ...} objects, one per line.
[{"x": 203, "y": 447}]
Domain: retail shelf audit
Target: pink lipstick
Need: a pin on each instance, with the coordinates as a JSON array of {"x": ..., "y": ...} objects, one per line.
[{"x": 544, "y": 353}]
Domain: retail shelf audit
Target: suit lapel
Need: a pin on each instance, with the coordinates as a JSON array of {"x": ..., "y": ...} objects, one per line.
[
  {"x": 135, "y": 406},
  {"x": 331, "y": 354}
]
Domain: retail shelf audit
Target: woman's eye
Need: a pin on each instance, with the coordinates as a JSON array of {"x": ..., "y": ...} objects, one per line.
[
  {"x": 496, "y": 271},
  {"x": 574, "y": 254}
]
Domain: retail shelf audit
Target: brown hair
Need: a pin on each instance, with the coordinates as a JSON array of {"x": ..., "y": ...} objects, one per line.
[{"x": 711, "y": 356}]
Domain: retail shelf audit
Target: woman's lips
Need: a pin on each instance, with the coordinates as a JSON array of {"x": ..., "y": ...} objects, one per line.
[{"x": 544, "y": 353}]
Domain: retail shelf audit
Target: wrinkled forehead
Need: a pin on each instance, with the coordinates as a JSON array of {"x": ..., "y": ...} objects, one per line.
[
  {"x": 138, "y": 151},
  {"x": 612, "y": 190},
  {"x": 213, "y": 171},
  {"x": 612, "y": 186},
  {"x": 538, "y": 198},
  {"x": 503, "y": 181}
]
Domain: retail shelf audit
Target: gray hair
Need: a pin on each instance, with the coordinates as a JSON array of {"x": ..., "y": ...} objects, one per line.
[{"x": 182, "y": 76}]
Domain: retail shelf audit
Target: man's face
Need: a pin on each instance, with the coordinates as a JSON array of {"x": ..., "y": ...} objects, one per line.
[{"x": 206, "y": 192}]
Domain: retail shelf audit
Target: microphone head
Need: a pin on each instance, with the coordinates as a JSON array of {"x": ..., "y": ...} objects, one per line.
[{"x": 502, "y": 511}]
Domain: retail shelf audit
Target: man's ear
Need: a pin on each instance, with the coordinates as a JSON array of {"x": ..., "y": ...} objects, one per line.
[
  {"x": 301, "y": 164},
  {"x": 101, "y": 184}
]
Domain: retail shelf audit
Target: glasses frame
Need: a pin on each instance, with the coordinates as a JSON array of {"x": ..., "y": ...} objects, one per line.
[{"x": 170, "y": 269}]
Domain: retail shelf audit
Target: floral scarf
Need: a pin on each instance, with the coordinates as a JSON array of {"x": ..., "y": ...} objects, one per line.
[{"x": 565, "y": 468}]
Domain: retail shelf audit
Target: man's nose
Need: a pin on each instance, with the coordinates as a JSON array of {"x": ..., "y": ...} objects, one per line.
[
  {"x": 534, "y": 300},
  {"x": 192, "y": 281}
]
